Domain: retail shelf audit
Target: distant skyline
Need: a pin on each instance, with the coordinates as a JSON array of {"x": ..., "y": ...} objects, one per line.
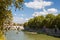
[{"x": 33, "y": 8}]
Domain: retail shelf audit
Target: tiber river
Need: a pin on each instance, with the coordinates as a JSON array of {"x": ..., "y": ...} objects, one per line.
[{"x": 14, "y": 35}]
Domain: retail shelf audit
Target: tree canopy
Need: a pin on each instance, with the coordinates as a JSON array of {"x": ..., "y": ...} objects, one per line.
[
  {"x": 49, "y": 21},
  {"x": 5, "y": 4},
  {"x": 5, "y": 10}
]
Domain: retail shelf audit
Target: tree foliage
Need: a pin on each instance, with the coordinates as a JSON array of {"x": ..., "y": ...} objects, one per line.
[
  {"x": 5, "y": 11},
  {"x": 5, "y": 4},
  {"x": 48, "y": 21}
]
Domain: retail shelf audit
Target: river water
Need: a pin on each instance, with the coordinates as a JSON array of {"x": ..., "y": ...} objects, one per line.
[{"x": 14, "y": 35}]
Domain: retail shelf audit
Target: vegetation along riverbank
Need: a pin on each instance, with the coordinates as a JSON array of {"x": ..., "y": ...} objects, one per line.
[{"x": 49, "y": 24}]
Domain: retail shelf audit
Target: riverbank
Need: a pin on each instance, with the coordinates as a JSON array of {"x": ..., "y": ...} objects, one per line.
[
  {"x": 30, "y": 32},
  {"x": 49, "y": 32},
  {"x": 24, "y": 35}
]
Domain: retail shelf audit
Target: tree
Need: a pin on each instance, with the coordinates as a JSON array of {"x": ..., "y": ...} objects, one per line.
[
  {"x": 31, "y": 23},
  {"x": 50, "y": 18},
  {"x": 5, "y": 4},
  {"x": 5, "y": 18},
  {"x": 25, "y": 24},
  {"x": 36, "y": 22},
  {"x": 57, "y": 21},
  {"x": 49, "y": 21},
  {"x": 5, "y": 11}
]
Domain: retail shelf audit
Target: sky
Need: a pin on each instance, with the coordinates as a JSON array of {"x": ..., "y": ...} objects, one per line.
[{"x": 32, "y": 8}]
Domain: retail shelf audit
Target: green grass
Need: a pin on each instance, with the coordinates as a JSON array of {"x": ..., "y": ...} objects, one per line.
[
  {"x": 46, "y": 37},
  {"x": 41, "y": 37}
]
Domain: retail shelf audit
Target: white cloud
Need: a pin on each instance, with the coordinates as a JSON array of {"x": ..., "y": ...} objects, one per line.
[
  {"x": 15, "y": 14},
  {"x": 38, "y": 0},
  {"x": 28, "y": 18},
  {"x": 19, "y": 20},
  {"x": 45, "y": 12},
  {"x": 55, "y": 14},
  {"x": 36, "y": 4},
  {"x": 41, "y": 4},
  {"x": 22, "y": 15},
  {"x": 52, "y": 10},
  {"x": 39, "y": 13}
]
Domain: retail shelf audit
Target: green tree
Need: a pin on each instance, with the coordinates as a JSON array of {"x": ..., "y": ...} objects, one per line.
[
  {"x": 36, "y": 22},
  {"x": 5, "y": 4},
  {"x": 57, "y": 21},
  {"x": 25, "y": 24},
  {"x": 5, "y": 11},
  {"x": 50, "y": 18},
  {"x": 48, "y": 21},
  {"x": 31, "y": 23}
]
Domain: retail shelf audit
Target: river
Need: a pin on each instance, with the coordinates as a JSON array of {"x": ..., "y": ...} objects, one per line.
[{"x": 14, "y": 35}]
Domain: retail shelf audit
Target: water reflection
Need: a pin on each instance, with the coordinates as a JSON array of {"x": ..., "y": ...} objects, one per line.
[
  {"x": 12, "y": 35},
  {"x": 15, "y": 35}
]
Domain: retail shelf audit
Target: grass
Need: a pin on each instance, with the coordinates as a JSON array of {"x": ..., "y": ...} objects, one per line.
[
  {"x": 41, "y": 37},
  {"x": 46, "y": 37}
]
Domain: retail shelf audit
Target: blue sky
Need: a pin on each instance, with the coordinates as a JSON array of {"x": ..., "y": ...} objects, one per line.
[{"x": 33, "y": 8}]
